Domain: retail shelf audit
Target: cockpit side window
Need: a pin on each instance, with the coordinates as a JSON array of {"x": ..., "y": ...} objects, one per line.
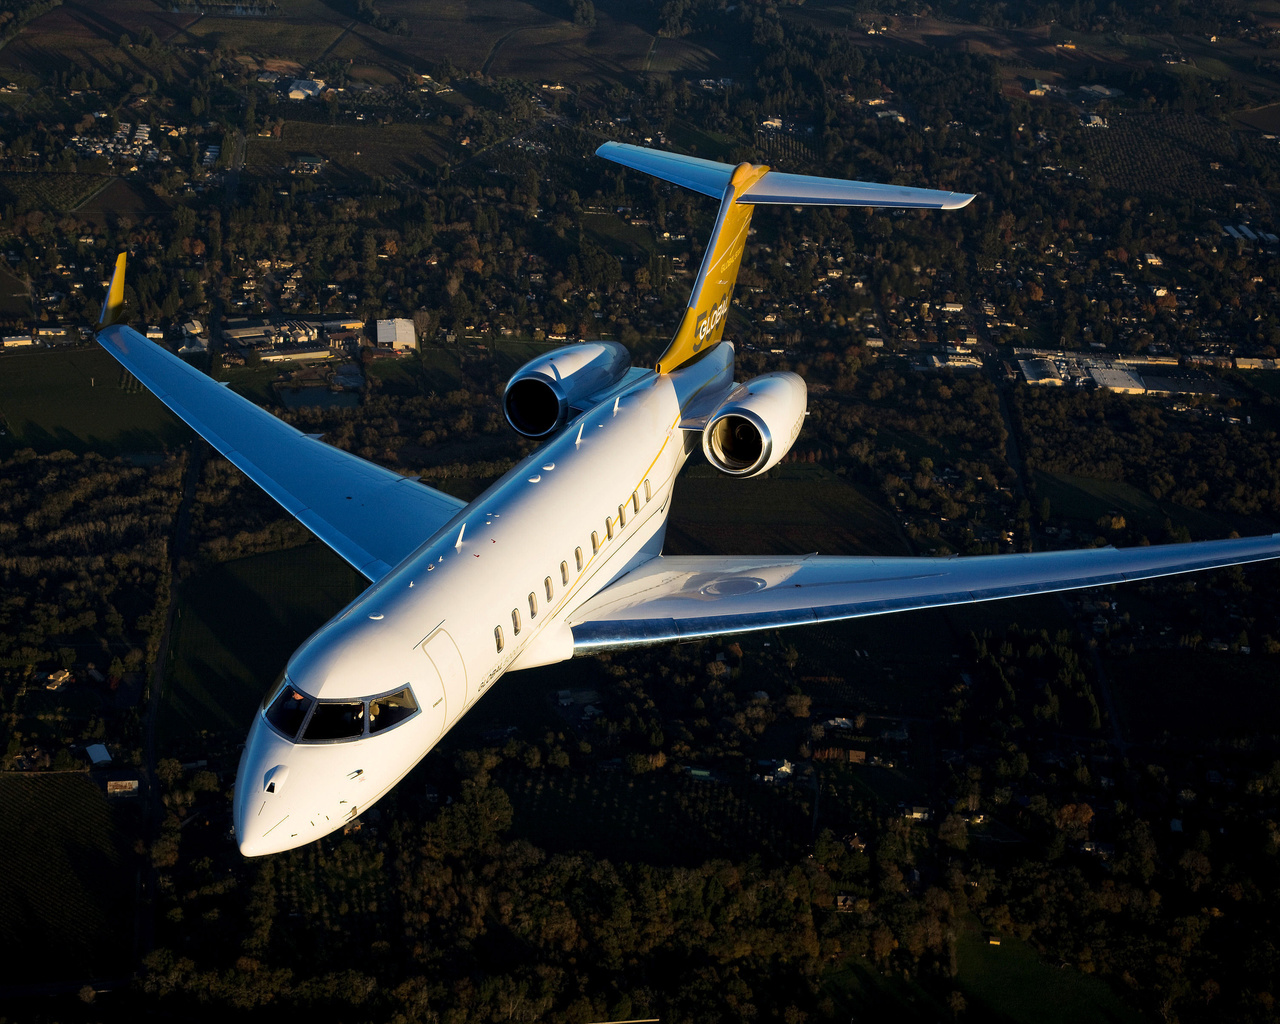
[
  {"x": 288, "y": 711},
  {"x": 336, "y": 720},
  {"x": 394, "y": 708}
]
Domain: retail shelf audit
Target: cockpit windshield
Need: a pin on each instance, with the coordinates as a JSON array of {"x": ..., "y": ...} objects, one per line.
[
  {"x": 394, "y": 708},
  {"x": 289, "y": 710},
  {"x": 302, "y": 719},
  {"x": 334, "y": 720}
]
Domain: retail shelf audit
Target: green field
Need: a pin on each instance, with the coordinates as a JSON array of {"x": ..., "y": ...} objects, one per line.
[
  {"x": 1185, "y": 697},
  {"x": 311, "y": 30},
  {"x": 237, "y": 623},
  {"x": 1085, "y": 499},
  {"x": 367, "y": 150},
  {"x": 795, "y": 509},
  {"x": 615, "y": 235},
  {"x": 79, "y": 399},
  {"x": 66, "y": 882},
  {"x": 15, "y": 296},
  {"x": 254, "y": 382},
  {"x": 1005, "y": 984},
  {"x": 1010, "y": 982}
]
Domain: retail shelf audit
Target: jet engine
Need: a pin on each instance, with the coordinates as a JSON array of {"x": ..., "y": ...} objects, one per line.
[
  {"x": 756, "y": 425},
  {"x": 538, "y": 398}
]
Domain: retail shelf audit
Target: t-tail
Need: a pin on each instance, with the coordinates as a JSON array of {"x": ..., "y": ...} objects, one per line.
[{"x": 740, "y": 189}]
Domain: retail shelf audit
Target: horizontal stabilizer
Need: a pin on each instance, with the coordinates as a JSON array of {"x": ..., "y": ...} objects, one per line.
[
  {"x": 776, "y": 188},
  {"x": 706, "y": 176}
]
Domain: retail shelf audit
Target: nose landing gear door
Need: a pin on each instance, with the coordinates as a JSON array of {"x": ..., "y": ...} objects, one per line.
[{"x": 443, "y": 655}]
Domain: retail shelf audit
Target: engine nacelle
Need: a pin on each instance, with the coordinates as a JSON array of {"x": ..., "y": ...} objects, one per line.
[
  {"x": 541, "y": 393},
  {"x": 756, "y": 425}
]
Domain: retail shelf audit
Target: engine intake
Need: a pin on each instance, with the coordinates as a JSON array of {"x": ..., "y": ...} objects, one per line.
[
  {"x": 540, "y": 395},
  {"x": 756, "y": 425}
]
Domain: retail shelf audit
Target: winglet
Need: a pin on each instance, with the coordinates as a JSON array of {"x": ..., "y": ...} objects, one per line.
[{"x": 113, "y": 306}]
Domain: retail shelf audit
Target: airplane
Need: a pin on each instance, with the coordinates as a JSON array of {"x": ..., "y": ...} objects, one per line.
[{"x": 563, "y": 555}]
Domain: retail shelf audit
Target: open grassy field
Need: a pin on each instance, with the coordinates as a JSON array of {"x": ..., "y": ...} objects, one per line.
[
  {"x": 66, "y": 881},
  {"x": 87, "y": 36},
  {"x": 368, "y": 150},
  {"x": 304, "y": 35},
  {"x": 15, "y": 296},
  {"x": 79, "y": 399},
  {"x": 237, "y": 623},
  {"x": 615, "y": 235},
  {"x": 507, "y": 38},
  {"x": 1184, "y": 697},
  {"x": 1005, "y": 984},
  {"x": 119, "y": 199},
  {"x": 1084, "y": 499},
  {"x": 795, "y": 509},
  {"x": 1011, "y": 983},
  {"x": 254, "y": 382}
]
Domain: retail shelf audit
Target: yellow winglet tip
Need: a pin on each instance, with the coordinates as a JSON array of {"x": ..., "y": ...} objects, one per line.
[{"x": 113, "y": 306}]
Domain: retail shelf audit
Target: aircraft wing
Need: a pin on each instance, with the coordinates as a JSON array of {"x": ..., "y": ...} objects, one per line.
[
  {"x": 689, "y": 597},
  {"x": 372, "y": 517}
]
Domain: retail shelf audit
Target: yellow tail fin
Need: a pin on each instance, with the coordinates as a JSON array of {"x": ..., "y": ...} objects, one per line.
[
  {"x": 113, "y": 306},
  {"x": 703, "y": 323}
]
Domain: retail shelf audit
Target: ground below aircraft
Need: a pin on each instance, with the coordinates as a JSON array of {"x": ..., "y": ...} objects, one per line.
[{"x": 563, "y": 555}]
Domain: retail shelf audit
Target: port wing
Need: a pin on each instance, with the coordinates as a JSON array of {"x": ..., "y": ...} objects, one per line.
[
  {"x": 372, "y": 517},
  {"x": 687, "y": 598}
]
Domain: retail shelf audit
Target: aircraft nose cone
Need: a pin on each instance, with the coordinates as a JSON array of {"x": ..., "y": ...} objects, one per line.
[{"x": 259, "y": 807}]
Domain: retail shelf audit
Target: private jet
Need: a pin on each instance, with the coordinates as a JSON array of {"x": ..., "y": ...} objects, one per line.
[{"x": 563, "y": 555}]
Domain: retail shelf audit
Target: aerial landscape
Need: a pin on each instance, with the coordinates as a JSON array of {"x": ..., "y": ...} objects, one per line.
[{"x": 365, "y": 217}]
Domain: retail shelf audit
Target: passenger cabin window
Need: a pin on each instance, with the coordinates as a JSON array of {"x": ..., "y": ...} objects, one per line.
[
  {"x": 546, "y": 584},
  {"x": 564, "y": 570},
  {"x": 288, "y": 711},
  {"x": 648, "y": 492},
  {"x": 497, "y": 638},
  {"x": 533, "y": 604},
  {"x": 336, "y": 720},
  {"x": 394, "y": 708},
  {"x": 622, "y": 515},
  {"x": 635, "y": 500},
  {"x": 577, "y": 557},
  {"x": 515, "y": 621},
  {"x": 595, "y": 543}
]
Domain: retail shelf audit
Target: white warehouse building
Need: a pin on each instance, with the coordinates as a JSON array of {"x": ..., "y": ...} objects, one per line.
[{"x": 396, "y": 334}]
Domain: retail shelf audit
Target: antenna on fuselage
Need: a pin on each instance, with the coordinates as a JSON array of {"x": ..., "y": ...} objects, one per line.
[{"x": 458, "y": 544}]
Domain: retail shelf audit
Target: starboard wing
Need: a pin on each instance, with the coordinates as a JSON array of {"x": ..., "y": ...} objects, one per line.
[
  {"x": 372, "y": 517},
  {"x": 686, "y": 598}
]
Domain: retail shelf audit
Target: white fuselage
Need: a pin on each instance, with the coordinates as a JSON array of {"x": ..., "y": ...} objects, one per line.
[{"x": 492, "y": 590}]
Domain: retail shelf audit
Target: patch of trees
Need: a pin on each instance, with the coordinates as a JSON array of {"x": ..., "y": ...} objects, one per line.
[
  {"x": 84, "y": 579},
  {"x": 1199, "y": 463},
  {"x": 367, "y": 12}
]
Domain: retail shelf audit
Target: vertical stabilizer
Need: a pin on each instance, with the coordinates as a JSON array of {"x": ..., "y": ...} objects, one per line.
[
  {"x": 703, "y": 322},
  {"x": 113, "y": 305}
]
